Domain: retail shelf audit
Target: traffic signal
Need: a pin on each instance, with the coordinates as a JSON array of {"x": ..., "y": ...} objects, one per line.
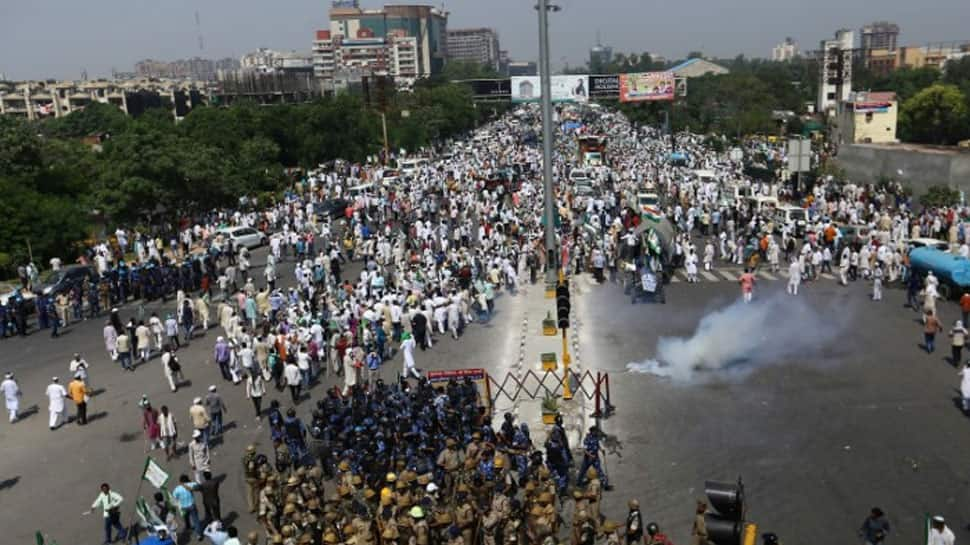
[
  {"x": 725, "y": 521},
  {"x": 562, "y": 305}
]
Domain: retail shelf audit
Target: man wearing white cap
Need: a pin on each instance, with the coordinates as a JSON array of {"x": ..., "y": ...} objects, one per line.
[
  {"x": 11, "y": 394},
  {"x": 198, "y": 455},
  {"x": 55, "y": 394},
  {"x": 939, "y": 533}
]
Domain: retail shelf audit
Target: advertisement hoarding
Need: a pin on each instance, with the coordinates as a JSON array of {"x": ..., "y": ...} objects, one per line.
[
  {"x": 645, "y": 86},
  {"x": 573, "y": 88},
  {"x": 604, "y": 86},
  {"x": 498, "y": 88}
]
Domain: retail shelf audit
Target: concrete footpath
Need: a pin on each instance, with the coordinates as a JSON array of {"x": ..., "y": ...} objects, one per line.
[{"x": 522, "y": 392}]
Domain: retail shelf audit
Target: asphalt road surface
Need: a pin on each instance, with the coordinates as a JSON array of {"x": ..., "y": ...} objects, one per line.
[{"x": 819, "y": 436}]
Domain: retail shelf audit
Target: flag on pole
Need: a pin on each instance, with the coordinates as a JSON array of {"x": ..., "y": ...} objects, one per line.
[
  {"x": 651, "y": 213},
  {"x": 154, "y": 473}
]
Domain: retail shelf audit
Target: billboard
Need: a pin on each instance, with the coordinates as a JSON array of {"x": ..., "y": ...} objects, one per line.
[
  {"x": 604, "y": 86},
  {"x": 645, "y": 86},
  {"x": 573, "y": 88},
  {"x": 498, "y": 88}
]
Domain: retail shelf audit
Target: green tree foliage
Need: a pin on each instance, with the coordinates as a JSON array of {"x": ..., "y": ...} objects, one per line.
[
  {"x": 152, "y": 171},
  {"x": 940, "y": 195},
  {"x": 95, "y": 119},
  {"x": 905, "y": 82},
  {"x": 937, "y": 115}
]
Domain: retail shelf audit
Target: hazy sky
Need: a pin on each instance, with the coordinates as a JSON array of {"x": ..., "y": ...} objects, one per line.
[{"x": 57, "y": 38}]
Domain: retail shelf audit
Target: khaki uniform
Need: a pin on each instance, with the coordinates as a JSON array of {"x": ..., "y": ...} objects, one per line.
[
  {"x": 268, "y": 510},
  {"x": 251, "y": 472},
  {"x": 698, "y": 533},
  {"x": 594, "y": 493},
  {"x": 465, "y": 519}
]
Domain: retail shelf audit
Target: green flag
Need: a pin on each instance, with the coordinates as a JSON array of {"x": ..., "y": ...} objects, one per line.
[{"x": 154, "y": 473}]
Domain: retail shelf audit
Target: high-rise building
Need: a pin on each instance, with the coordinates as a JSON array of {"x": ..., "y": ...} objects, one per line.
[
  {"x": 879, "y": 35},
  {"x": 785, "y": 51},
  {"x": 835, "y": 73},
  {"x": 395, "y": 55},
  {"x": 600, "y": 56},
  {"x": 426, "y": 24},
  {"x": 479, "y": 45}
]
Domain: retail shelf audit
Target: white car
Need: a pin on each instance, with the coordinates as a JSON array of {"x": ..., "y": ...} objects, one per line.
[{"x": 244, "y": 236}]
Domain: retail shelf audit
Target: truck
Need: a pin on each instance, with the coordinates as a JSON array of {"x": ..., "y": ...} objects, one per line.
[
  {"x": 591, "y": 150},
  {"x": 951, "y": 270}
]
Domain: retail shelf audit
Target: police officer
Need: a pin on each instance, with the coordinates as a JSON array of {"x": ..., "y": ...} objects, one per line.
[
  {"x": 591, "y": 457},
  {"x": 634, "y": 523},
  {"x": 251, "y": 473}
]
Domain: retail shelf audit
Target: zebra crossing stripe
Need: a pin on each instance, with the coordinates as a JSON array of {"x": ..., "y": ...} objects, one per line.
[
  {"x": 827, "y": 276},
  {"x": 709, "y": 275},
  {"x": 674, "y": 278},
  {"x": 767, "y": 275},
  {"x": 727, "y": 276}
]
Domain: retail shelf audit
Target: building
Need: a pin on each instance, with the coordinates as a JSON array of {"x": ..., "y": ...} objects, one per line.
[
  {"x": 785, "y": 51},
  {"x": 879, "y": 35},
  {"x": 427, "y": 25},
  {"x": 600, "y": 56},
  {"x": 196, "y": 68},
  {"x": 936, "y": 55},
  {"x": 867, "y": 118},
  {"x": 478, "y": 45},
  {"x": 697, "y": 67},
  {"x": 835, "y": 74},
  {"x": 38, "y": 99},
  {"x": 395, "y": 55},
  {"x": 523, "y": 68}
]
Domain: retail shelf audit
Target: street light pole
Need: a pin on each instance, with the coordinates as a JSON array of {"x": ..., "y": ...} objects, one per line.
[{"x": 545, "y": 84}]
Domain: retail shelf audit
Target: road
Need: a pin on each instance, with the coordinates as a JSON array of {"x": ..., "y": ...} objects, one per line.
[{"x": 819, "y": 437}]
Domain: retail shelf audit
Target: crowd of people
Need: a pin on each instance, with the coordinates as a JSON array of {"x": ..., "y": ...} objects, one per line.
[{"x": 409, "y": 460}]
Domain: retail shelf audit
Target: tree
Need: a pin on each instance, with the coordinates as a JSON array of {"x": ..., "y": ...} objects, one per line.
[
  {"x": 95, "y": 118},
  {"x": 936, "y": 115}
]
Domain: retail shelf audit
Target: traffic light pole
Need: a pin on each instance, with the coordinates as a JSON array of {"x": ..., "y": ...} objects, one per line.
[
  {"x": 567, "y": 392},
  {"x": 562, "y": 311},
  {"x": 545, "y": 84}
]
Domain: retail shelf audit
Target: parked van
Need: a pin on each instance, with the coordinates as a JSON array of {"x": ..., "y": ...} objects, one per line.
[
  {"x": 761, "y": 203},
  {"x": 791, "y": 215}
]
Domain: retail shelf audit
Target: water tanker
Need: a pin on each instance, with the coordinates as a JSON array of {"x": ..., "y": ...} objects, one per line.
[{"x": 952, "y": 270}]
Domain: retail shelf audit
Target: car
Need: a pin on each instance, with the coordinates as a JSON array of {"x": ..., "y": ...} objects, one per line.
[
  {"x": 244, "y": 236},
  {"x": 66, "y": 278},
  {"x": 334, "y": 208},
  {"x": 855, "y": 234},
  {"x": 577, "y": 175}
]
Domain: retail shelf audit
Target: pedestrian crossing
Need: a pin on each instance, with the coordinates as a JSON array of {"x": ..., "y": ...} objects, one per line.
[{"x": 733, "y": 274}]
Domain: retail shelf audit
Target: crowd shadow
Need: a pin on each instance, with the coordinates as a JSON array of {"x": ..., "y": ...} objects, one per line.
[{"x": 97, "y": 416}]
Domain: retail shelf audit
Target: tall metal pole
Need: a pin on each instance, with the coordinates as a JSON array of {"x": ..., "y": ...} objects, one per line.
[{"x": 545, "y": 83}]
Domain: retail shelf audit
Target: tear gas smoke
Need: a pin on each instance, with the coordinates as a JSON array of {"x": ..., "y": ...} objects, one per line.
[{"x": 740, "y": 338}]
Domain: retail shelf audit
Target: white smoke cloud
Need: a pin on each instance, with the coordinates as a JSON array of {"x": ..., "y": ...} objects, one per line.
[{"x": 740, "y": 338}]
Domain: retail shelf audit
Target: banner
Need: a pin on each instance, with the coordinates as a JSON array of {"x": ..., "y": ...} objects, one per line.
[
  {"x": 645, "y": 86},
  {"x": 574, "y": 88},
  {"x": 478, "y": 376},
  {"x": 872, "y": 107},
  {"x": 499, "y": 88},
  {"x": 154, "y": 474},
  {"x": 604, "y": 86}
]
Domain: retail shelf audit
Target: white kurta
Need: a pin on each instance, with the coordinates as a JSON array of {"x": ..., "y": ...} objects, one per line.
[{"x": 11, "y": 394}]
